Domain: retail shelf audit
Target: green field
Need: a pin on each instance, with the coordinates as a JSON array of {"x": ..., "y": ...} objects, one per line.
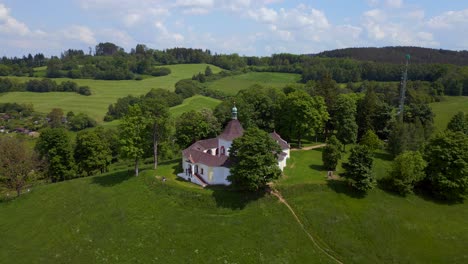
[
  {"x": 196, "y": 102},
  {"x": 103, "y": 92},
  {"x": 446, "y": 109},
  {"x": 233, "y": 84},
  {"x": 117, "y": 218}
]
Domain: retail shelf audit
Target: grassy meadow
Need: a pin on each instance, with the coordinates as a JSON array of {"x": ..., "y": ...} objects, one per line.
[
  {"x": 231, "y": 85},
  {"x": 118, "y": 218},
  {"x": 196, "y": 102},
  {"x": 447, "y": 108},
  {"x": 103, "y": 92}
]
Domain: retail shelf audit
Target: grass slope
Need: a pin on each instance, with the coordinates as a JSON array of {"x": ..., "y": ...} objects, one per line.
[
  {"x": 233, "y": 84},
  {"x": 446, "y": 109},
  {"x": 103, "y": 92},
  {"x": 119, "y": 219},
  {"x": 196, "y": 102},
  {"x": 378, "y": 228}
]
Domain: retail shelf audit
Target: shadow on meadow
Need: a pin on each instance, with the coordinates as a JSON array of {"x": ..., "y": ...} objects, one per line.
[
  {"x": 343, "y": 187},
  {"x": 228, "y": 197},
  {"x": 113, "y": 179}
]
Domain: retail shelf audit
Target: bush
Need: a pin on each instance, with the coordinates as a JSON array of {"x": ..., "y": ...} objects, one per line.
[
  {"x": 160, "y": 71},
  {"x": 407, "y": 170},
  {"x": 84, "y": 90},
  {"x": 186, "y": 88}
]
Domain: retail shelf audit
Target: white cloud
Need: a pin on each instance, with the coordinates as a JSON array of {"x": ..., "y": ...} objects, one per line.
[
  {"x": 167, "y": 37},
  {"x": 10, "y": 25},
  {"x": 449, "y": 20},
  {"x": 394, "y": 3},
  {"x": 120, "y": 37},
  {"x": 264, "y": 15},
  {"x": 80, "y": 33}
]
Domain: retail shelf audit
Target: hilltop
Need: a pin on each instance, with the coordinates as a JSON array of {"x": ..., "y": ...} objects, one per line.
[{"x": 419, "y": 55}]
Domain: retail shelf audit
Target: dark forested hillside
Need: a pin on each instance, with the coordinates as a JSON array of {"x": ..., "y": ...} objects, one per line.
[{"x": 397, "y": 55}]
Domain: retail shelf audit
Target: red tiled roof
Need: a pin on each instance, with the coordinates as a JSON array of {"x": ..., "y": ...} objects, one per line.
[
  {"x": 209, "y": 143},
  {"x": 196, "y": 156},
  {"x": 283, "y": 144},
  {"x": 232, "y": 131}
]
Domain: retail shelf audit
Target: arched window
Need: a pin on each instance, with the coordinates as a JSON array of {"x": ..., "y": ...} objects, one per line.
[
  {"x": 210, "y": 152},
  {"x": 196, "y": 168},
  {"x": 223, "y": 150}
]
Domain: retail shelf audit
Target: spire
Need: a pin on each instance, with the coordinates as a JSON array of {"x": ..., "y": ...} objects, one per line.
[{"x": 234, "y": 112}]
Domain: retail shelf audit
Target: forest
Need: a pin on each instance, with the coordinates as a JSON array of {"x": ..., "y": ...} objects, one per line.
[{"x": 111, "y": 62}]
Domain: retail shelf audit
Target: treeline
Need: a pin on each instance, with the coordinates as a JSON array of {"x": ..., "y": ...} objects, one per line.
[
  {"x": 396, "y": 55},
  {"x": 42, "y": 86},
  {"x": 111, "y": 62}
]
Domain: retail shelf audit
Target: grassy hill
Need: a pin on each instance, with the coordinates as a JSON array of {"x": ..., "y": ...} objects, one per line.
[
  {"x": 103, "y": 92},
  {"x": 196, "y": 102},
  {"x": 233, "y": 84},
  {"x": 446, "y": 109},
  {"x": 118, "y": 218}
]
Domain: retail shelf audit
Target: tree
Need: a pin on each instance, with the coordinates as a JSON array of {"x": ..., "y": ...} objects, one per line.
[
  {"x": 358, "y": 169},
  {"x": 208, "y": 71},
  {"x": 408, "y": 168},
  {"x": 328, "y": 89},
  {"x": 55, "y": 117},
  {"x": 367, "y": 108},
  {"x": 302, "y": 115},
  {"x": 91, "y": 153},
  {"x": 332, "y": 153},
  {"x": 54, "y": 146},
  {"x": 255, "y": 160},
  {"x": 133, "y": 134},
  {"x": 345, "y": 120},
  {"x": 458, "y": 123},
  {"x": 447, "y": 170},
  {"x": 17, "y": 163},
  {"x": 195, "y": 125},
  {"x": 371, "y": 140},
  {"x": 159, "y": 124}
]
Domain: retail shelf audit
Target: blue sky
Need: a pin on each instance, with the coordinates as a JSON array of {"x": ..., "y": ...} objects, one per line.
[{"x": 247, "y": 27}]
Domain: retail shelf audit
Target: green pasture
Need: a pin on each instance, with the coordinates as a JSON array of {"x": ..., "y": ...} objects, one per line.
[
  {"x": 231, "y": 85},
  {"x": 196, "y": 102},
  {"x": 103, "y": 92},
  {"x": 117, "y": 218},
  {"x": 380, "y": 227},
  {"x": 447, "y": 108}
]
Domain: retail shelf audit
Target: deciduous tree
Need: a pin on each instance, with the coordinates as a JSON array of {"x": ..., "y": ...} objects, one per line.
[
  {"x": 302, "y": 115},
  {"x": 17, "y": 163},
  {"x": 54, "y": 146},
  {"x": 91, "y": 152},
  {"x": 195, "y": 125},
  {"x": 255, "y": 160},
  {"x": 447, "y": 170},
  {"x": 133, "y": 135},
  {"x": 408, "y": 168}
]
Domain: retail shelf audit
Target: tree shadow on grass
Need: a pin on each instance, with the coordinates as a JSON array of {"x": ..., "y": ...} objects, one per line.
[
  {"x": 317, "y": 167},
  {"x": 343, "y": 187},
  {"x": 113, "y": 179},
  {"x": 228, "y": 197},
  {"x": 383, "y": 156}
]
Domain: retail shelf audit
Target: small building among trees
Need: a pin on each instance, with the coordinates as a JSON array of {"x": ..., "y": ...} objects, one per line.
[{"x": 207, "y": 162}]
